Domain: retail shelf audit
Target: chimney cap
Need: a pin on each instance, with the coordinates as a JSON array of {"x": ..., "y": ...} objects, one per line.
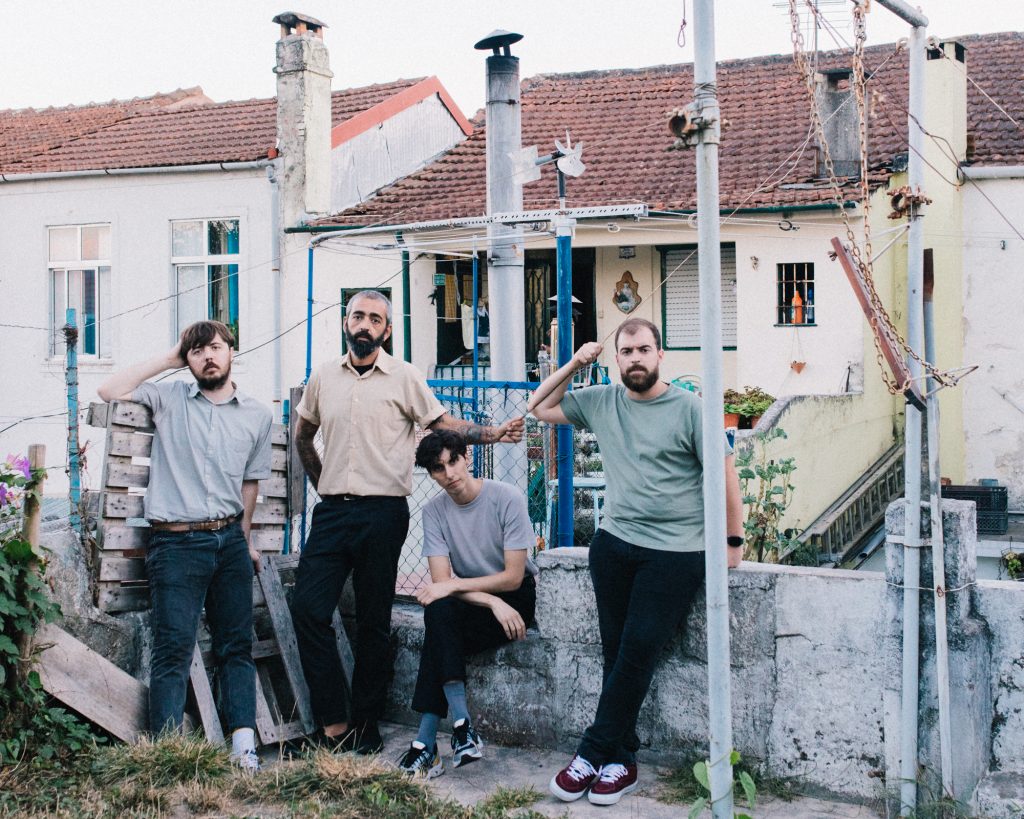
[
  {"x": 498, "y": 39},
  {"x": 293, "y": 20}
]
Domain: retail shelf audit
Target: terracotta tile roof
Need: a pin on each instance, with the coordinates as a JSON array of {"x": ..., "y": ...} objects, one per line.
[
  {"x": 198, "y": 134},
  {"x": 621, "y": 117},
  {"x": 27, "y": 132}
]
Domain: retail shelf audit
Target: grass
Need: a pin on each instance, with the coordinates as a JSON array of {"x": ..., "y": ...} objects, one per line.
[
  {"x": 185, "y": 776},
  {"x": 680, "y": 787}
]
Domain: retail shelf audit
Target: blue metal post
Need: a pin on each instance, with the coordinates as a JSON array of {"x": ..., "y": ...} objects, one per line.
[
  {"x": 566, "y": 516},
  {"x": 71, "y": 377},
  {"x": 309, "y": 369},
  {"x": 477, "y": 454},
  {"x": 286, "y": 407}
]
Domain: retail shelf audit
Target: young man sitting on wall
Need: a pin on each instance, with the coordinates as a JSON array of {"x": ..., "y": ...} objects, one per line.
[{"x": 477, "y": 539}]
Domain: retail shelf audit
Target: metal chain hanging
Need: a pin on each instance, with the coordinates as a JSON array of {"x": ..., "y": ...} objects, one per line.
[{"x": 882, "y": 320}]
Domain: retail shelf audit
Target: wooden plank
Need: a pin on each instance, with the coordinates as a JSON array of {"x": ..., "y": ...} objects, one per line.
[
  {"x": 123, "y": 476},
  {"x": 90, "y": 684},
  {"x": 274, "y": 488},
  {"x": 130, "y": 414},
  {"x": 278, "y": 435},
  {"x": 279, "y": 460},
  {"x": 204, "y": 699},
  {"x": 284, "y": 631},
  {"x": 122, "y": 568},
  {"x": 97, "y": 415},
  {"x": 265, "y": 725},
  {"x": 122, "y": 505},
  {"x": 261, "y": 650},
  {"x": 130, "y": 444},
  {"x": 296, "y": 474},
  {"x": 115, "y": 597},
  {"x": 270, "y": 511},
  {"x": 267, "y": 540},
  {"x": 118, "y": 537}
]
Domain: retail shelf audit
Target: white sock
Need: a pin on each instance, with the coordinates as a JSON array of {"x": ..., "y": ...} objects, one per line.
[{"x": 242, "y": 740}]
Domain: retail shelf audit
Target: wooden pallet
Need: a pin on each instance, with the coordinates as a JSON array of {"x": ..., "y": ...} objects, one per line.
[{"x": 119, "y": 572}]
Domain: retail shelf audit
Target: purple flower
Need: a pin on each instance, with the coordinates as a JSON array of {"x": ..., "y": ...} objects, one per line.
[
  {"x": 20, "y": 463},
  {"x": 3, "y": 494}
]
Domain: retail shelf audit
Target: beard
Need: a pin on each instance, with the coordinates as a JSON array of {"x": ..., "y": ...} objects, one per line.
[
  {"x": 211, "y": 382},
  {"x": 363, "y": 343},
  {"x": 639, "y": 379}
]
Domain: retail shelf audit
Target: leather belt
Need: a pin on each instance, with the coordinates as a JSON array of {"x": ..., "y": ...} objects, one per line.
[{"x": 193, "y": 525}]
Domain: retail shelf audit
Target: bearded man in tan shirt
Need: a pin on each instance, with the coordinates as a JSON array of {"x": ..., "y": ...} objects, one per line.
[{"x": 367, "y": 406}]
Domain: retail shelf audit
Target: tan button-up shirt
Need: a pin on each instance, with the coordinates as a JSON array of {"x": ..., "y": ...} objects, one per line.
[{"x": 368, "y": 423}]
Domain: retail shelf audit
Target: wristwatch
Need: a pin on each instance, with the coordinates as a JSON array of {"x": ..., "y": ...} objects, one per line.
[{"x": 734, "y": 540}]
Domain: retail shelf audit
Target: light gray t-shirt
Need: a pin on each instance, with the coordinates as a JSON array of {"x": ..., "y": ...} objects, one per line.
[
  {"x": 202, "y": 451},
  {"x": 476, "y": 535},
  {"x": 652, "y": 455}
]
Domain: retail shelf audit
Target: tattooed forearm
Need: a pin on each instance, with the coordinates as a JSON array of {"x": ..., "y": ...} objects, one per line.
[
  {"x": 473, "y": 433},
  {"x": 304, "y": 435}
]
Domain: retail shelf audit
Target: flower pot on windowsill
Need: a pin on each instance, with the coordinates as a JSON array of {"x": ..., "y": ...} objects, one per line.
[{"x": 732, "y": 419}]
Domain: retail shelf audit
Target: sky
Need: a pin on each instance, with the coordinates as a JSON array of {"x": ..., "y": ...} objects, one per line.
[{"x": 70, "y": 52}]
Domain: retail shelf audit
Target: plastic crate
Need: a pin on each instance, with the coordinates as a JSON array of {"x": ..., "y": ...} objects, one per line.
[{"x": 991, "y": 503}]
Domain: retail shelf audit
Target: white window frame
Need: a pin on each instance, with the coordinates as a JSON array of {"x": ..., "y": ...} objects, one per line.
[
  {"x": 680, "y": 297},
  {"x": 207, "y": 261},
  {"x": 101, "y": 270}
]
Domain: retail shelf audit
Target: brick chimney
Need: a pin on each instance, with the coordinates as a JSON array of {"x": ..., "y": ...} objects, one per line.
[
  {"x": 833, "y": 95},
  {"x": 303, "y": 117}
]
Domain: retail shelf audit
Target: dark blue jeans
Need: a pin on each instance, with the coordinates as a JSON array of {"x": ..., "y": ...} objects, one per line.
[
  {"x": 643, "y": 596},
  {"x": 186, "y": 570},
  {"x": 454, "y": 630},
  {"x": 362, "y": 537}
]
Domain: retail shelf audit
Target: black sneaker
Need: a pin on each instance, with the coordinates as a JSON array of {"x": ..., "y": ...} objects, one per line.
[
  {"x": 467, "y": 746},
  {"x": 421, "y": 762},
  {"x": 368, "y": 739}
]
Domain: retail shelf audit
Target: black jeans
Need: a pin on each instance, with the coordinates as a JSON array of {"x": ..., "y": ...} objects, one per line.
[
  {"x": 454, "y": 630},
  {"x": 364, "y": 537},
  {"x": 643, "y": 595},
  {"x": 185, "y": 570}
]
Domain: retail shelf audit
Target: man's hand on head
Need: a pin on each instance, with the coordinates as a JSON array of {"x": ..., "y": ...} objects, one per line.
[{"x": 176, "y": 357}]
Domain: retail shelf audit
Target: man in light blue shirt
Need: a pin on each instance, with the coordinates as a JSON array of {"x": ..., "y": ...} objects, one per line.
[{"x": 210, "y": 450}]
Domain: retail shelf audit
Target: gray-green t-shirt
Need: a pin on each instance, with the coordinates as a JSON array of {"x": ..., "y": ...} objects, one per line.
[
  {"x": 652, "y": 455},
  {"x": 475, "y": 536}
]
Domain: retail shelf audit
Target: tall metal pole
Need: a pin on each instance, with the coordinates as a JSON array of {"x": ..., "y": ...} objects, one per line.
[
  {"x": 938, "y": 551},
  {"x": 709, "y": 268},
  {"x": 71, "y": 378},
  {"x": 566, "y": 514},
  {"x": 505, "y": 287},
  {"x": 912, "y": 463}
]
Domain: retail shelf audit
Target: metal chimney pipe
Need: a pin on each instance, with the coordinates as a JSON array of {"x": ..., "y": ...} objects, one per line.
[{"x": 505, "y": 283}]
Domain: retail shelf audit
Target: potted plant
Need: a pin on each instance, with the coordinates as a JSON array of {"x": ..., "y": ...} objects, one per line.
[
  {"x": 1014, "y": 563},
  {"x": 753, "y": 403},
  {"x": 732, "y": 402}
]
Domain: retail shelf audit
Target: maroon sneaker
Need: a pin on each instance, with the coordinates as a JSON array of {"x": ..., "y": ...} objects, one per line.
[
  {"x": 570, "y": 783},
  {"x": 613, "y": 781}
]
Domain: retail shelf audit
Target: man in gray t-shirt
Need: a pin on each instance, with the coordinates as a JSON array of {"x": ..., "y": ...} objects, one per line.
[
  {"x": 477, "y": 539},
  {"x": 647, "y": 560},
  {"x": 211, "y": 447}
]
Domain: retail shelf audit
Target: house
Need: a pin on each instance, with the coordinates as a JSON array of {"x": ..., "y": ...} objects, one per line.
[
  {"x": 779, "y": 215},
  {"x": 148, "y": 214}
]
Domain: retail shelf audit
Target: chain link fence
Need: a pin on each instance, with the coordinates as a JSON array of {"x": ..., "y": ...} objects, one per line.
[{"x": 531, "y": 466}]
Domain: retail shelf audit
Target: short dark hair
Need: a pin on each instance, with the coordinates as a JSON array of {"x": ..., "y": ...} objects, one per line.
[
  {"x": 198, "y": 335},
  {"x": 371, "y": 294},
  {"x": 428, "y": 453},
  {"x": 630, "y": 326}
]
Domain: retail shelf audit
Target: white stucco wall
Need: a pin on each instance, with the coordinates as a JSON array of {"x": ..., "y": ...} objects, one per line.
[
  {"x": 139, "y": 209},
  {"x": 993, "y": 396}
]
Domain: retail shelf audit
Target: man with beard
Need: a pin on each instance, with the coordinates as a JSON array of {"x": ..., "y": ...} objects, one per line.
[
  {"x": 211, "y": 447},
  {"x": 647, "y": 559},
  {"x": 367, "y": 406}
]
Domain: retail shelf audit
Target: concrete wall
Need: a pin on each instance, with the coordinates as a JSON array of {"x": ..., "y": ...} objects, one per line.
[
  {"x": 139, "y": 209},
  {"x": 993, "y": 294}
]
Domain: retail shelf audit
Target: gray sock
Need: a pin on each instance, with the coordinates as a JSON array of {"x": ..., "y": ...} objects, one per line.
[
  {"x": 455, "y": 693},
  {"x": 428, "y": 729}
]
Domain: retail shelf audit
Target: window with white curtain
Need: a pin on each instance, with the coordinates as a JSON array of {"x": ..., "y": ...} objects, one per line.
[{"x": 78, "y": 265}]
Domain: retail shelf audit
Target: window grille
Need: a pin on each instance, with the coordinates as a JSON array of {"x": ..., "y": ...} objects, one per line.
[{"x": 795, "y": 300}]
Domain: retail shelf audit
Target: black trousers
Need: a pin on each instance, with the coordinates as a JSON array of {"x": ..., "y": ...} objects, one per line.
[
  {"x": 454, "y": 630},
  {"x": 643, "y": 596},
  {"x": 364, "y": 537}
]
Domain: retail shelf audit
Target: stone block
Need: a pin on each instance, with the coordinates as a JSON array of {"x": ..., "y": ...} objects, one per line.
[{"x": 1000, "y": 795}]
